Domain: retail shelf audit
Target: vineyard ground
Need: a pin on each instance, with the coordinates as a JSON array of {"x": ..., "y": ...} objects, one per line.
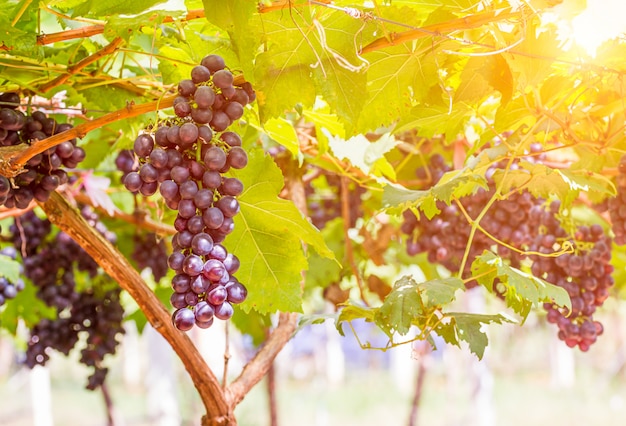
[{"x": 518, "y": 357}]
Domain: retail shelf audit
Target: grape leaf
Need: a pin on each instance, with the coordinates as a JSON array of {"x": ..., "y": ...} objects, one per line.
[
  {"x": 26, "y": 307},
  {"x": 452, "y": 184},
  {"x": 367, "y": 156},
  {"x": 352, "y": 312},
  {"x": 268, "y": 238},
  {"x": 9, "y": 268},
  {"x": 467, "y": 327},
  {"x": 522, "y": 290},
  {"x": 239, "y": 19},
  {"x": 432, "y": 120},
  {"x": 113, "y": 7},
  {"x": 282, "y": 131},
  {"x": 323, "y": 120}
]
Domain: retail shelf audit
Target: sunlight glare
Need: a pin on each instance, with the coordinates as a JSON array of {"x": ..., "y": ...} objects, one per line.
[{"x": 602, "y": 20}]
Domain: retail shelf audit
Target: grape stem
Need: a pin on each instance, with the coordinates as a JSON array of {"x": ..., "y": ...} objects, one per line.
[
  {"x": 69, "y": 220},
  {"x": 345, "y": 213},
  {"x": 73, "y": 69}
]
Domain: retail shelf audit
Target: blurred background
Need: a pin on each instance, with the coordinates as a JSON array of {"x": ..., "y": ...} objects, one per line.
[{"x": 527, "y": 377}]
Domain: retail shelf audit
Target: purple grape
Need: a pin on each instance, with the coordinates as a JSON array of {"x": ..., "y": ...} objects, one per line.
[
  {"x": 214, "y": 158},
  {"x": 181, "y": 283},
  {"x": 188, "y": 133},
  {"x": 143, "y": 145},
  {"x": 228, "y": 205},
  {"x": 178, "y": 300},
  {"x": 213, "y": 63},
  {"x": 193, "y": 265},
  {"x": 213, "y": 218},
  {"x": 160, "y": 137},
  {"x": 200, "y": 284},
  {"x": 205, "y": 133},
  {"x": 175, "y": 261},
  {"x": 217, "y": 295},
  {"x": 191, "y": 298},
  {"x": 200, "y": 74},
  {"x": 159, "y": 158},
  {"x": 180, "y": 174},
  {"x": 231, "y": 138},
  {"x": 203, "y": 312},
  {"x": 237, "y": 158},
  {"x": 188, "y": 189},
  {"x": 220, "y": 121},
  {"x": 133, "y": 182},
  {"x": 211, "y": 179},
  {"x": 186, "y": 88},
  {"x": 204, "y": 97},
  {"x": 231, "y": 186},
  {"x": 195, "y": 224},
  {"x": 219, "y": 252},
  {"x": 203, "y": 199},
  {"x": 202, "y": 244},
  {"x": 186, "y": 208},
  {"x": 182, "y": 109},
  {"x": 231, "y": 263},
  {"x": 148, "y": 173},
  {"x": 202, "y": 115},
  {"x": 223, "y": 78},
  {"x": 237, "y": 292},
  {"x": 184, "y": 319},
  {"x": 234, "y": 110},
  {"x": 214, "y": 270},
  {"x": 224, "y": 311},
  {"x": 169, "y": 190}
]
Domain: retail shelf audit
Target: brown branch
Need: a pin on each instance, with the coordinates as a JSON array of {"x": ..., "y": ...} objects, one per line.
[
  {"x": 460, "y": 24},
  {"x": 258, "y": 367},
  {"x": 73, "y": 69},
  {"x": 141, "y": 219},
  {"x": 93, "y": 30},
  {"x": 69, "y": 220},
  {"x": 345, "y": 213},
  {"x": 13, "y": 158}
]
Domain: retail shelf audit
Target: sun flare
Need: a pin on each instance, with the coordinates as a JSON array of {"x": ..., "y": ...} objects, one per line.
[{"x": 602, "y": 20}]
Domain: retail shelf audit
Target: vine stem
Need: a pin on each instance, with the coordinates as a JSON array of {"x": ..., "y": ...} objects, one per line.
[
  {"x": 69, "y": 220},
  {"x": 13, "y": 158},
  {"x": 73, "y": 69}
]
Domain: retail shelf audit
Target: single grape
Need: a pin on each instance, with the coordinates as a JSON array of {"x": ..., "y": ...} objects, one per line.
[
  {"x": 184, "y": 319},
  {"x": 200, "y": 74},
  {"x": 213, "y": 63},
  {"x": 204, "y": 97},
  {"x": 236, "y": 291}
]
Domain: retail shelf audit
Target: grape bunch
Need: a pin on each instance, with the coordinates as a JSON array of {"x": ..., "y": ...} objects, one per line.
[
  {"x": 51, "y": 264},
  {"x": 99, "y": 317},
  {"x": 149, "y": 251},
  {"x": 43, "y": 173},
  {"x": 8, "y": 289},
  {"x": 185, "y": 159},
  {"x": 584, "y": 274},
  {"x": 617, "y": 205}
]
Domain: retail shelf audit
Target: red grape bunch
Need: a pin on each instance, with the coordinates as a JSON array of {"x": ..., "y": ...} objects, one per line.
[
  {"x": 584, "y": 274},
  {"x": 43, "y": 173},
  {"x": 186, "y": 159}
]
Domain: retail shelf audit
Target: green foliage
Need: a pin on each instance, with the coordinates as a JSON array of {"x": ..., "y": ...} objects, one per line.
[
  {"x": 269, "y": 233},
  {"x": 522, "y": 290},
  {"x": 420, "y": 305},
  {"x": 26, "y": 307},
  {"x": 9, "y": 268}
]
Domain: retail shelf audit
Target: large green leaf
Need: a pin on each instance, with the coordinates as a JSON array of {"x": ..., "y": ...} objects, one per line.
[
  {"x": 26, "y": 307},
  {"x": 467, "y": 327},
  {"x": 268, "y": 238},
  {"x": 522, "y": 290}
]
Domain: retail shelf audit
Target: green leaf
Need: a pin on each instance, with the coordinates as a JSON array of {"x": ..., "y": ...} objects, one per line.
[
  {"x": 240, "y": 20},
  {"x": 367, "y": 156},
  {"x": 9, "y": 268},
  {"x": 268, "y": 238},
  {"x": 253, "y": 324},
  {"x": 26, "y": 307},
  {"x": 586, "y": 181},
  {"x": 441, "y": 291},
  {"x": 432, "y": 120},
  {"x": 522, "y": 290},
  {"x": 97, "y": 8},
  {"x": 282, "y": 131},
  {"x": 352, "y": 312},
  {"x": 452, "y": 184},
  {"x": 123, "y": 25},
  {"x": 481, "y": 75},
  {"x": 325, "y": 123},
  {"x": 401, "y": 308},
  {"x": 324, "y": 271},
  {"x": 468, "y": 328}
]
